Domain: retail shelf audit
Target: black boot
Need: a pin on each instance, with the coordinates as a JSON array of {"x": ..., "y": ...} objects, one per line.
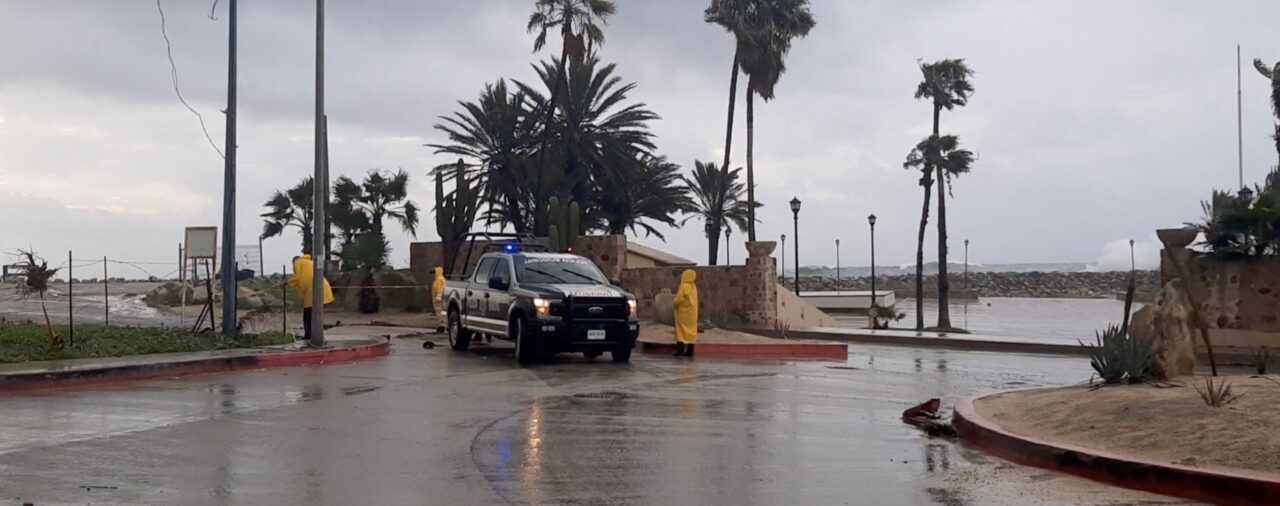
[
  {"x": 679, "y": 350},
  {"x": 688, "y": 350}
]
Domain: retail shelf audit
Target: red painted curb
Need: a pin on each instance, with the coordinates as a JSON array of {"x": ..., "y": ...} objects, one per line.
[
  {"x": 834, "y": 351},
  {"x": 1218, "y": 487},
  {"x": 213, "y": 365}
]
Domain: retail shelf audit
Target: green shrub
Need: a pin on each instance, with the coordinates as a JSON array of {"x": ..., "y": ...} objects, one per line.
[{"x": 1118, "y": 357}]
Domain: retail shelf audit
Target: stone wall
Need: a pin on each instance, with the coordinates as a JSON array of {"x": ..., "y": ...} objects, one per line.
[
  {"x": 739, "y": 295},
  {"x": 1242, "y": 295},
  {"x": 609, "y": 252}
]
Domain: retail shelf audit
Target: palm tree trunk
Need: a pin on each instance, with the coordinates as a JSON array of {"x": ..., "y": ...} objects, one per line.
[
  {"x": 944, "y": 285},
  {"x": 733, "y": 99},
  {"x": 924, "y": 223},
  {"x": 54, "y": 340},
  {"x": 751, "y": 169},
  {"x": 713, "y": 244}
]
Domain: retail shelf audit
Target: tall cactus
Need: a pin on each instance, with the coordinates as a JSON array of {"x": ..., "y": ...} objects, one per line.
[
  {"x": 566, "y": 224},
  {"x": 455, "y": 213}
]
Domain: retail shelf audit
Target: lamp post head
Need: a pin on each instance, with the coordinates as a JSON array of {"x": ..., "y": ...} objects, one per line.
[
  {"x": 966, "y": 243},
  {"x": 1246, "y": 193},
  {"x": 837, "y": 243},
  {"x": 727, "y": 231},
  {"x": 872, "y": 220},
  {"x": 795, "y": 206}
]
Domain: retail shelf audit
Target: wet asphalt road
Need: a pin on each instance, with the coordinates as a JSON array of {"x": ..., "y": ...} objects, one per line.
[{"x": 438, "y": 427}]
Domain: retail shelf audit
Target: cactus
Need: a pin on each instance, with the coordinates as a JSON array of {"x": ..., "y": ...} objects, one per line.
[
  {"x": 455, "y": 213},
  {"x": 566, "y": 223}
]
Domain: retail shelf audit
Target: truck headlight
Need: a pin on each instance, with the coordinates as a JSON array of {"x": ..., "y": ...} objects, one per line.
[
  {"x": 631, "y": 303},
  {"x": 542, "y": 307}
]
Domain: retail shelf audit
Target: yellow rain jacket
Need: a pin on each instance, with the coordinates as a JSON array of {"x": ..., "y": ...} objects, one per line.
[
  {"x": 437, "y": 292},
  {"x": 301, "y": 279},
  {"x": 686, "y": 308}
]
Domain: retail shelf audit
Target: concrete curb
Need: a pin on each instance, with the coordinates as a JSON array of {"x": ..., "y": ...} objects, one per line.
[
  {"x": 267, "y": 359},
  {"x": 931, "y": 342},
  {"x": 1218, "y": 487},
  {"x": 808, "y": 351}
]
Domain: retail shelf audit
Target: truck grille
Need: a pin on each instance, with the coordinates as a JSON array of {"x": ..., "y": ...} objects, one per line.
[{"x": 598, "y": 308}]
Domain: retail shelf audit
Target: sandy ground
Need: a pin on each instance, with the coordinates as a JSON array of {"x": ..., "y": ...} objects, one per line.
[{"x": 1161, "y": 424}]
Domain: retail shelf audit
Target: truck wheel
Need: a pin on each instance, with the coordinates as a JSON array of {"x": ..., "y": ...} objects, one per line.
[
  {"x": 526, "y": 350},
  {"x": 459, "y": 338},
  {"x": 622, "y": 353}
]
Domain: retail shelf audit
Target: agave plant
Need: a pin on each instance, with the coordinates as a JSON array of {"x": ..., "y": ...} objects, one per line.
[
  {"x": 1215, "y": 394},
  {"x": 1118, "y": 357}
]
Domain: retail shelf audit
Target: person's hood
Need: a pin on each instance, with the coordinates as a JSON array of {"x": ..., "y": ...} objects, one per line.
[
  {"x": 688, "y": 276},
  {"x": 304, "y": 256},
  {"x": 439, "y": 272}
]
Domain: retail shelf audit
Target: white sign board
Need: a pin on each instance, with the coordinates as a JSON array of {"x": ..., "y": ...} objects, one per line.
[{"x": 201, "y": 242}]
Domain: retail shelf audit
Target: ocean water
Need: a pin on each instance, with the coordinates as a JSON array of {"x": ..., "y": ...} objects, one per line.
[{"x": 1058, "y": 321}]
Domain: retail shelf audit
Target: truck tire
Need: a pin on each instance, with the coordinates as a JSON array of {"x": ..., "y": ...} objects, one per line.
[
  {"x": 459, "y": 338},
  {"x": 622, "y": 353},
  {"x": 526, "y": 350}
]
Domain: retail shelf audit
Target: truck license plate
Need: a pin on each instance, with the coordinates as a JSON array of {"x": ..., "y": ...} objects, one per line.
[{"x": 596, "y": 335}]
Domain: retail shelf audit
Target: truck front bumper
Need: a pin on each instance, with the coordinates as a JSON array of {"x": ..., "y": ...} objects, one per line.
[{"x": 584, "y": 336}]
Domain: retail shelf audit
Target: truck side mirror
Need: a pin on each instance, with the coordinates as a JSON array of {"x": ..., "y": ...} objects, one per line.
[{"x": 498, "y": 283}]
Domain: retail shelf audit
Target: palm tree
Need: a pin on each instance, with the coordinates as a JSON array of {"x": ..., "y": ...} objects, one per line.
[
  {"x": 763, "y": 48},
  {"x": 651, "y": 190},
  {"x": 946, "y": 84},
  {"x": 939, "y": 157},
  {"x": 496, "y": 133},
  {"x": 576, "y": 20},
  {"x": 732, "y": 16},
  {"x": 387, "y": 196},
  {"x": 718, "y": 202},
  {"x": 290, "y": 208},
  {"x": 1273, "y": 74},
  {"x": 596, "y": 133},
  {"x": 345, "y": 215}
]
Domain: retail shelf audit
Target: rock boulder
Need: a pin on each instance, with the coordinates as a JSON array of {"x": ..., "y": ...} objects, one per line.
[{"x": 1168, "y": 324}]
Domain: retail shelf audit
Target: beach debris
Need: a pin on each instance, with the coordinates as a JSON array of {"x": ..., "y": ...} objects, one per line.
[{"x": 925, "y": 416}]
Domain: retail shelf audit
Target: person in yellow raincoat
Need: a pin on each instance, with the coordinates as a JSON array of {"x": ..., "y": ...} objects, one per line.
[
  {"x": 437, "y": 298},
  {"x": 301, "y": 281},
  {"x": 686, "y": 313}
]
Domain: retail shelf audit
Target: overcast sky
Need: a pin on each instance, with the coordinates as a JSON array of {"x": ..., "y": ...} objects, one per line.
[{"x": 1094, "y": 121}]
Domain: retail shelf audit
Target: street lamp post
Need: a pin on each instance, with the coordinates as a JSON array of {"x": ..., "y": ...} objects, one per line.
[
  {"x": 872, "y": 220},
  {"x": 966, "y": 264},
  {"x": 837, "y": 266},
  {"x": 1133, "y": 264},
  {"x": 727, "y": 231},
  {"x": 795, "y": 238}
]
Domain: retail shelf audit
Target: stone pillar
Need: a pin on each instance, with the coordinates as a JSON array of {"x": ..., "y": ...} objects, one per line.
[{"x": 761, "y": 285}]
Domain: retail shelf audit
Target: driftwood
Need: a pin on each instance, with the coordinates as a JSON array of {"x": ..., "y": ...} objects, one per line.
[{"x": 925, "y": 416}]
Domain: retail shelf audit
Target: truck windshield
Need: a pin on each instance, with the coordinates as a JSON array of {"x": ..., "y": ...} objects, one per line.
[{"x": 562, "y": 270}]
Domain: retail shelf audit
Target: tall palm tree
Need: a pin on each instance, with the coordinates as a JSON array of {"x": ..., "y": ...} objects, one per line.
[
  {"x": 578, "y": 22},
  {"x": 732, "y": 16},
  {"x": 1272, "y": 74},
  {"x": 946, "y": 84},
  {"x": 497, "y": 134},
  {"x": 651, "y": 190},
  {"x": 290, "y": 208},
  {"x": 939, "y": 157},
  {"x": 387, "y": 196},
  {"x": 771, "y": 26},
  {"x": 718, "y": 202}
]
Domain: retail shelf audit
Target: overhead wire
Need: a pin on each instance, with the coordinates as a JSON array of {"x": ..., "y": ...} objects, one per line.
[{"x": 173, "y": 73}]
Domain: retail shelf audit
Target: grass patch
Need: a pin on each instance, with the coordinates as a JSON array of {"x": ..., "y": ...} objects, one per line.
[{"x": 29, "y": 342}]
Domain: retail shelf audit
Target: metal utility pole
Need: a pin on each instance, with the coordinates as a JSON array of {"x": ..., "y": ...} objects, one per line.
[
  {"x": 106, "y": 295},
  {"x": 229, "y": 188},
  {"x": 837, "y": 266},
  {"x": 318, "y": 253},
  {"x": 1239, "y": 119}
]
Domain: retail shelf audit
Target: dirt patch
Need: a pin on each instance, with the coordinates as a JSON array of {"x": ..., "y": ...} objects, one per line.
[{"x": 1161, "y": 424}]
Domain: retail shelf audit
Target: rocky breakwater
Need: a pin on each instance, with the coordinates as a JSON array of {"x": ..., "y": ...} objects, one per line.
[{"x": 1002, "y": 284}]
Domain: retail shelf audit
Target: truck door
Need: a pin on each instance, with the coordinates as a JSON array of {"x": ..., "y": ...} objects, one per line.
[
  {"x": 476, "y": 317},
  {"x": 500, "y": 300}
]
